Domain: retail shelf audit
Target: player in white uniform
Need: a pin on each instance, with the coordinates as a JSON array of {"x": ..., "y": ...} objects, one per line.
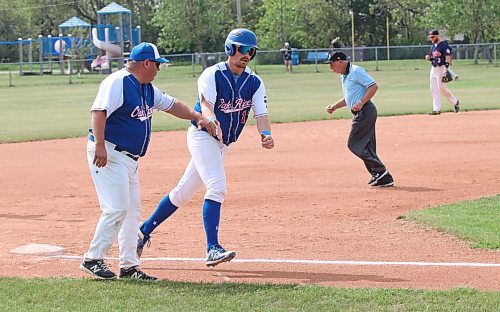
[
  {"x": 120, "y": 134},
  {"x": 226, "y": 93}
]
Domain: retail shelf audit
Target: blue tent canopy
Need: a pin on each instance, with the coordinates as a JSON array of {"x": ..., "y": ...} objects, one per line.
[
  {"x": 113, "y": 8},
  {"x": 74, "y": 22}
]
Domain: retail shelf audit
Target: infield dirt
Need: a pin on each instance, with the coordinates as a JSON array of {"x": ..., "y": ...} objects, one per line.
[{"x": 306, "y": 199}]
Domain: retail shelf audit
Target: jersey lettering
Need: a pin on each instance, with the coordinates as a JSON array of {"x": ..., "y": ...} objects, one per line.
[
  {"x": 139, "y": 113},
  {"x": 239, "y": 105}
]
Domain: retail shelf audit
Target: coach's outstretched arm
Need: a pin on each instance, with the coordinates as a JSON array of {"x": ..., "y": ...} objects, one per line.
[
  {"x": 181, "y": 110},
  {"x": 264, "y": 127}
]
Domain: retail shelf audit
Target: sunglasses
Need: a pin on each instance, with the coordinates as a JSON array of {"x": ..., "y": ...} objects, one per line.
[
  {"x": 432, "y": 37},
  {"x": 244, "y": 50},
  {"x": 158, "y": 64}
]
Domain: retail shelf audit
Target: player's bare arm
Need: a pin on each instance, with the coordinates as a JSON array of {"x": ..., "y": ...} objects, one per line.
[
  {"x": 98, "y": 123},
  {"x": 264, "y": 127},
  {"x": 207, "y": 111},
  {"x": 370, "y": 92},
  {"x": 333, "y": 107}
]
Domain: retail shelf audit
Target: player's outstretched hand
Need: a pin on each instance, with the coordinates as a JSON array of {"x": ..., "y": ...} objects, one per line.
[
  {"x": 267, "y": 140},
  {"x": 330, "y": 108},
  {"x": 100, "y": 156}
]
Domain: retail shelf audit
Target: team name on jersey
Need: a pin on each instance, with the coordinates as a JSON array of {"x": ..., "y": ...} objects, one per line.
[
  {"x": 140, "y": 114},
  {"x": 239, "y": 104}
]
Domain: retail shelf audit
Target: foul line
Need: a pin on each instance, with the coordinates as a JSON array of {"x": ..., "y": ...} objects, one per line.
[{"x": 321, "y": 262}]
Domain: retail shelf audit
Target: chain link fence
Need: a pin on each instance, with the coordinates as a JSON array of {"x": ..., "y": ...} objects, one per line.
[{"x": 304, "y": 60}]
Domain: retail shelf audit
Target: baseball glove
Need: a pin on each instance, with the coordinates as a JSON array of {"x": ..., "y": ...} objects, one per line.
[{"x": 447, "y": 77}]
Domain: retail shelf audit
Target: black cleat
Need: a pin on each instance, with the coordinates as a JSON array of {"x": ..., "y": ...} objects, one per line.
[
  {"x": 434, "y": 113},
  {"x": 457, "y": 106},
  {"x": 136, "y": 273},
  {"x": 98, "y": 269}
]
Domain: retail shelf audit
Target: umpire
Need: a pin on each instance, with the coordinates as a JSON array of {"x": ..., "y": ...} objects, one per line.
[{"x": 358, "y": 88}]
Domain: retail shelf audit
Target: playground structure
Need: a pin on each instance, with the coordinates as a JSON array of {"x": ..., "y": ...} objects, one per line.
[{"x": 95, "y": 48}]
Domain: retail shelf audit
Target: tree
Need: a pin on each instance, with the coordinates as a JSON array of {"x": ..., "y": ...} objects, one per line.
[
  {"x": 194, "y": 25},
  {"x": 477, "y": 19}
]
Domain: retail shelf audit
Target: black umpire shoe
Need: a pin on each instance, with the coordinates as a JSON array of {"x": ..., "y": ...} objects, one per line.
[
  {"x": 457, "y": 106},
  {"x": 385, "y": 181},
  {"x": 98, "y": 269},
  {"x": 136, "y": 273},
  {"x": 377, "y": 176}
]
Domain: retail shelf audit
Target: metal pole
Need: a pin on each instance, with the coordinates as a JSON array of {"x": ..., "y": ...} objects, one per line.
[
  {"x": 61, "y": 58},
  {"x": 10, "y": 77},
  {"x": 119, "y": 37},
  {"x": 238, "y": 12},
  {"x": 21, "y": 70},
  {"x": 30, "y": 55},
  {"x": 192, "y": 63},
  {"x": 138, "y": 34},
  {"x": 50, "y": 53},
  {"x": 316, "y": 60},
  {"x": 40, "y": 53},
  {"x": 72, "y": 42},
  {"x": 352, "y": 34},
  {"x": 388, "y": 42},
  {"x": 495, "y": 54},
  {"x": 376, "y": 58}
]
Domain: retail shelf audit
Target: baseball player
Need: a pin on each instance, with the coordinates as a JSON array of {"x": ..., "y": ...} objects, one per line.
[
  {"x": 358, "y": 88},
  {"x": 287, "y": 57},
  {"x": 440, "y": 59},
  {"x": 226, "y": 93},
  {"x": 119, "y": 136}
]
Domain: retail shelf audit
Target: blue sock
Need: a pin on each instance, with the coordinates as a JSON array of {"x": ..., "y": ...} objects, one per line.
[
  {"x": 164, "y": 210},
  {"x": 211, "y": 218}
]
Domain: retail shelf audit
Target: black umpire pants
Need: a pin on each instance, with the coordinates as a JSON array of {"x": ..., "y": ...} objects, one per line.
[{"x": 362, "y": 141}]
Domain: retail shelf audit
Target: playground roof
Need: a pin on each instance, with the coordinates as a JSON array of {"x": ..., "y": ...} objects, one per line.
[
  {"x": 113, "y": 8},
  {"x": 74, "y": 22}
]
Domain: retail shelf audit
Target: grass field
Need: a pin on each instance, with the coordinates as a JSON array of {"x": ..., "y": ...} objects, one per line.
[
  {"x": 49, "y": 107},
  {"x": 87, "y": 295},
  {"x": 476, "y": 221}
]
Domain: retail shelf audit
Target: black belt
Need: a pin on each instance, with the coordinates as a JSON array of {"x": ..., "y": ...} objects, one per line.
[{"x": 118, "y": 149}]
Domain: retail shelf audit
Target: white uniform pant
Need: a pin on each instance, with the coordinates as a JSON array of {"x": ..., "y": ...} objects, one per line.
[
  {"x": 117, "y": 186},
  {"x": 439, "y": 88},
  {"x": 206, "y": 167}
]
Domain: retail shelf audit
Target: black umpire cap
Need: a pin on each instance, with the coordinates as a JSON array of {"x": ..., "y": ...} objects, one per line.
[{"x": 336, "y": 55}]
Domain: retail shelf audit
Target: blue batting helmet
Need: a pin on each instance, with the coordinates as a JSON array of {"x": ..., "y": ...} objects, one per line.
[{"x": 240, "y": 37}]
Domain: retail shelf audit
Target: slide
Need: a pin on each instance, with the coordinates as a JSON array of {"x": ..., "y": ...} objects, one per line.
[{"x": 112, "y": 51}]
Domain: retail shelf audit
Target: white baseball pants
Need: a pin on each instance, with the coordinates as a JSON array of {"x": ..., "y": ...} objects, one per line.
[
  {"x": 206, "y": 167},
  {"x": 439, "y": 88},
  {"x": 118, "y": 190}
]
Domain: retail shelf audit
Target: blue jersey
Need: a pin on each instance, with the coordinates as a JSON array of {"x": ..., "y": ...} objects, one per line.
[
  {"x": 355, "y": 83},
  {"x": 231, "y": 98},
  {"x": 439, "y": 51},
  {"x": 129, "y": 107}
]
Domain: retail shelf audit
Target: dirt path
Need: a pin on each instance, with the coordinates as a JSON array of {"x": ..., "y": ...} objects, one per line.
[{"x": 305, "y": 200}]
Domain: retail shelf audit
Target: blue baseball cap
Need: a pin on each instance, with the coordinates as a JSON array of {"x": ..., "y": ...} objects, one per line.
[{"x": 146, "y": 51}]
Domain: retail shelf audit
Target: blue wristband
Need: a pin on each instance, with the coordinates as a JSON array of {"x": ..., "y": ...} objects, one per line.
[{"x": 266, "y": 132}]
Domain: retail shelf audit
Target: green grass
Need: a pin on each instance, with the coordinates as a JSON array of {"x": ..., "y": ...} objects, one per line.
[
  {"x": 476, "y": 221},
  {"x": 47, "y": 107},
  {"x": 88, "y": 295}
]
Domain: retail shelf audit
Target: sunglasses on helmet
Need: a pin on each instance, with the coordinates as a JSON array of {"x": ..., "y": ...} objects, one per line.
[{"x": 244, "y": 50}]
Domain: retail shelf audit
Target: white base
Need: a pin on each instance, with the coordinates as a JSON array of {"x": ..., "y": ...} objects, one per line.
[{"x": 38, "y": 249}]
